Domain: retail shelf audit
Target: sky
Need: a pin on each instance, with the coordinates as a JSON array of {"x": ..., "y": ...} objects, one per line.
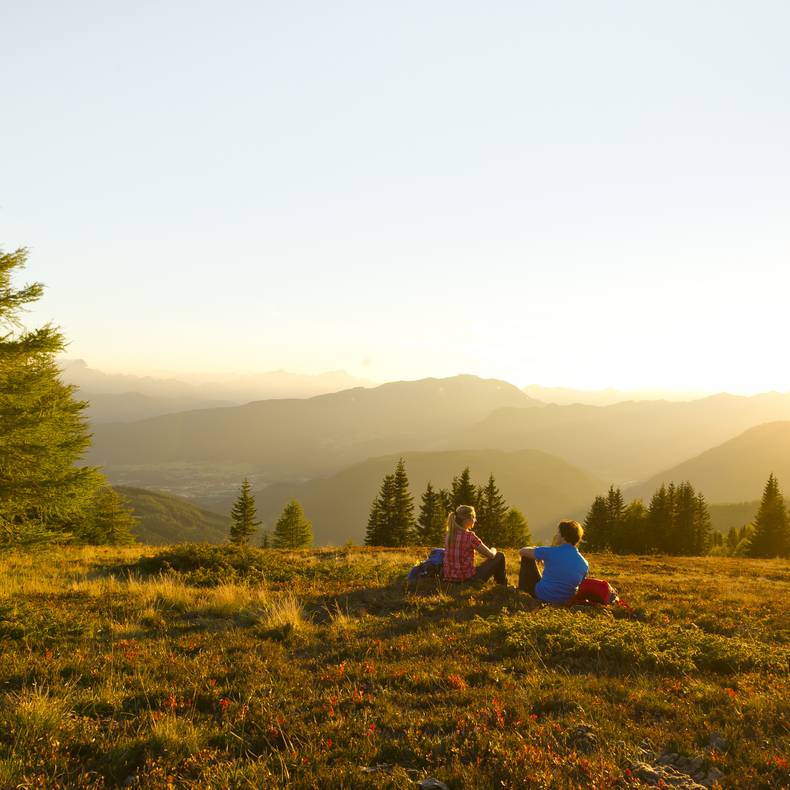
[{"x": 568, "y": 193}]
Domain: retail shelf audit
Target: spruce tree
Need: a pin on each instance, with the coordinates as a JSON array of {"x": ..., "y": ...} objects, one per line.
[
  {"x": 380, "y": 516},
  {"x": 660, "y": 519},
  {"x": 493, "y": 509},
  {"x": 402, "y": 525},
  {"x": 597, "y": 532},
  {"x": 109, "y": 520},
  {"x": 684, "y": 518},
  {"x": 704, "y": 536},
  {"x": 243, "y": 516},
  {"x": 516, "y": 529},
  {"x": 770, "y": 538},
  {"x": 293, "y": 530},
  {"x": 432, "y": 521},
  {"x": 44, "y": 494},
  {"x": 463, "y": 491},
  {"x": 447, "y": 503},
  {"x": 615, "y": 504},
  {"x": 391, "y": 519},
  {"x": 732, "y": 541},
  {"x": 633, "y": 531}
]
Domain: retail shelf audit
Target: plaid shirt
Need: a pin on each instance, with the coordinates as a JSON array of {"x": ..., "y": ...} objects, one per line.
[{"x": 459, "y": 557}]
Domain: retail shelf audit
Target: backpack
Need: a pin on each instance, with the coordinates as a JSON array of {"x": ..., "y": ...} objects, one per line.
[
  {"x": 428, "y": 568},
  {"x": 595, "y": 591}
]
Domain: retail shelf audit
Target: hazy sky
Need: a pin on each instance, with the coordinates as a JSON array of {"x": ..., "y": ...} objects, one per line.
[{"x": 576, "y": 193}]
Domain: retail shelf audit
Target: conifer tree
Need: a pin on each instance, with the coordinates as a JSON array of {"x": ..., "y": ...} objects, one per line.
[
  {"x": 381, "y": 514},
  {"x": 660, "y": 519},
  {"x": 615, "y": 504},
  {"x": 293, "y": 530},
  {"x": 391, "y": 519},
  {"x": 732, "y": 541},
  {"x": 108, "y": 522},
  {"x": 704, "y": 536},
  {"x": 463, "y": 491},
  {"x": 770, "y": 538},
  {"x": 432, "y": 521},
  {"x": 597, "y": 525},
  {"x": 633, "y": 531},
  {"x": 43, "y": 429},
  {"x": 402, "y": 526},
  {"x": 243, "y": 516},
  {"x": 447, "y": 502},
  {"x": 492, "y": 510},
  {"x": 684, "y": 518},
  {"x": 516, "y": 529}
]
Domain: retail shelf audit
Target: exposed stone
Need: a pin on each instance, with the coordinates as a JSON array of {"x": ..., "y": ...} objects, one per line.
[{"x": 717, "y": 742}]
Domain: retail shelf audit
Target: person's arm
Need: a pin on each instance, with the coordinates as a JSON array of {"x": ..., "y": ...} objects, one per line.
[
  {"x": 528, "y": 552},
  {"x": 481, "y": 548}
]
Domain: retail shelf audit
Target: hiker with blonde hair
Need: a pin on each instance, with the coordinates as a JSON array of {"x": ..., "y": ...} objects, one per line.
[
  {"x": 564, "y": 568},
  {"x": 460, "y": 545}
]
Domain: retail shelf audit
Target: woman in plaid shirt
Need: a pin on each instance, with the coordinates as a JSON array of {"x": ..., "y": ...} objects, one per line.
[{"x": 460, "y": 546}]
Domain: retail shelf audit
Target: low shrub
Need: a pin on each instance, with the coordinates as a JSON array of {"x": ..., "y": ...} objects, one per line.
[{"x": 573, "y": 640}]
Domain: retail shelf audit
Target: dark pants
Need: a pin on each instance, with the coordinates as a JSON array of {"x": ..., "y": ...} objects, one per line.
[
  {"x": 528, "y": 576},
  {"x": 495, "y": 566}
]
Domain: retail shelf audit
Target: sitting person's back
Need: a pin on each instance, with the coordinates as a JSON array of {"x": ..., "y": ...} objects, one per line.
[
  {"x": 564, "y": 568},
  {"x": 460, "y": 547}
]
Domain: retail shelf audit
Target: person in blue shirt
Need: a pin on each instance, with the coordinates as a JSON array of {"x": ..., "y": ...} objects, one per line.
[{"x": 563, "y": 566}]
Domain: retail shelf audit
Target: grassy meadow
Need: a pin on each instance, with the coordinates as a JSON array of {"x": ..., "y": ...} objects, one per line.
[{"x": 207, "y": 667}]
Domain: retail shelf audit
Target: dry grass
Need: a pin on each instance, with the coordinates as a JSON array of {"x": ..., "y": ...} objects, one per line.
[{"x": 301, "y": 668}]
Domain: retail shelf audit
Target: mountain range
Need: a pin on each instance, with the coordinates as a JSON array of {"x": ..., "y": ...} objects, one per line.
[
  {"x": 292, "y": 439},
  {"x": 331, "y": 451},
  {"x": 119, "y": 397},
  {"x": 735, "y": 471}
]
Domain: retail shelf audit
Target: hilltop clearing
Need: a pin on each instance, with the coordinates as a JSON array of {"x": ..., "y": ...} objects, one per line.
[{"x": 209, "y": 667}]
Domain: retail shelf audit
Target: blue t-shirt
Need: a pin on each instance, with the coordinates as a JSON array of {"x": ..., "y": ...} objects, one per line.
[{"x": 563, "y": 570}]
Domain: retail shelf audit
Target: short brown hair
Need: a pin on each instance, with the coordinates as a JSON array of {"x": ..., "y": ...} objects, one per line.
[{"x": 572, "y": 532}]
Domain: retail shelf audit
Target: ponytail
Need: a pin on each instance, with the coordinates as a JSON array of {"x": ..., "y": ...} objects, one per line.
[{"x": 457, "y": 520}]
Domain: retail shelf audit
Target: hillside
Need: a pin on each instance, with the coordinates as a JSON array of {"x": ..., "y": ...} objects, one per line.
[
  {"x": 543, "y": 487},
  {"x": 302, "y": 438},
  {"x": 164, "y": 518},
  {"x": 627, "y": 441},
  {"x": 736, "y": 470},
  {"x": 207, "y": 667},
  {"x": 132, "y": 406}
]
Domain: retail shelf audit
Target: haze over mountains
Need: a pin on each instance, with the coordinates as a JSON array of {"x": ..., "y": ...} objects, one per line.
[
  {"x": 296, "y": 439},
  {"x": 119, "y": 397},
  {"x": 330, "y": 451},
  {"x": 736, "y": 470},
  {"x": 629, "y": 441}
]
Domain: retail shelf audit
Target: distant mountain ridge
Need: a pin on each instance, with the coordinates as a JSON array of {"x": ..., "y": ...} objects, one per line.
[
  {"x": 314, "y": 436},
  {"x": 132, "y": 406},
  {"x": 735, "y": 471},
  {"x": 233, "y": 388},
  {"x": 632, "y": 440},
  {"x": 567, "y": 396}
]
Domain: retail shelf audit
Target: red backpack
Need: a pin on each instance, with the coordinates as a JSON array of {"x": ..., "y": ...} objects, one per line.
[{"x": 595, "y": 591}]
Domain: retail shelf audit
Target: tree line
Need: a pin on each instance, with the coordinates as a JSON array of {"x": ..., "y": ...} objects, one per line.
[
  {"x": 677, "y": 521},
  {"x": 392, "y": 520}
]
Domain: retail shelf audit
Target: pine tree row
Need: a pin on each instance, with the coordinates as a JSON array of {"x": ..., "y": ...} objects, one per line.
[
  {"x": 392, "y": 521},
  {"x": 677, "y": 521}
]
